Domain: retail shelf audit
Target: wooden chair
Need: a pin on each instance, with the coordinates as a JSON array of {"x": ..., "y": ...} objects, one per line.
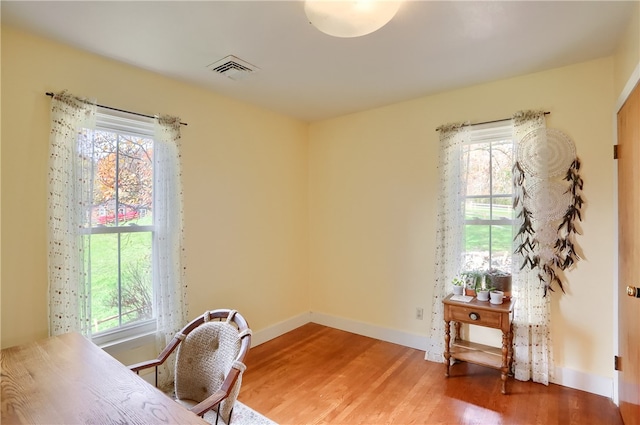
[{"x": 209, "y": 362}]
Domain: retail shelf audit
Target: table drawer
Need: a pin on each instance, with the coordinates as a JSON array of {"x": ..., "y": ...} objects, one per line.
[{"x": 492, "y": 319}]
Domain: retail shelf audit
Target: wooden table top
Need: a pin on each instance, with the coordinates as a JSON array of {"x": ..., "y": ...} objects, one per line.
[
  {"x": 507, "y": 305},
  {"x": 69, "y": 380}
]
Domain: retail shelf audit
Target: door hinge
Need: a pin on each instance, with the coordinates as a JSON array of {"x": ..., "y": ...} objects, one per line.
[
  {"x": 615, "y": 151},
  {"x": 616, "y": 363}
]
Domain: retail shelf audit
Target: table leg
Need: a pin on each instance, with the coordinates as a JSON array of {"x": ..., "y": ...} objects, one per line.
[
  {"x": 510, "y": 352},
  {"x": 456, "y": 327},
  {"x": 447, "y": 340},
  {"x": 505, "y": 360}
]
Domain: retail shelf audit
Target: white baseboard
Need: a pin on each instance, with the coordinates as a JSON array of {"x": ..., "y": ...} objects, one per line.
[
  {"x": 563, "y": 376},
  {"x": 394, "y": 336},
  {"x": 584, "y": 382},
  {"x": 419, "y": 342},
  {"x": 280, "y": 328}
]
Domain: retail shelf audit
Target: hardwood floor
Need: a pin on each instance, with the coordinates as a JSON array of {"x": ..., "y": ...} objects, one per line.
[{"x": 320, "y": 375}]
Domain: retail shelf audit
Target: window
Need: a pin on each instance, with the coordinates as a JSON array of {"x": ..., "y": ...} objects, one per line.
[
  {"x": 475, "y": 199},
  {"x": 115, "y": 228},
  {"x": 119, "y": 225},
  {"x": 488, "y": 212}
]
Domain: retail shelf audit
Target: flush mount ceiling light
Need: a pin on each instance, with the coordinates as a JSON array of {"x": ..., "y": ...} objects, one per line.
[{"x": 354, "y": 18}]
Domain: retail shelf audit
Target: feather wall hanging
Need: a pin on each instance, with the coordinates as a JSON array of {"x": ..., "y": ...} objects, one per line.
[{"x": 548, "y": 202}]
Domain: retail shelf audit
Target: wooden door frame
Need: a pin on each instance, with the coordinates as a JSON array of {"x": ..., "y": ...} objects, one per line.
[{"x": 633, "y": 80}]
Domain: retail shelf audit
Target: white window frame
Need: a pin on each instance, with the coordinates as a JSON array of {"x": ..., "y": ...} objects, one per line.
[
  {"x": 484, "y": 133},
  {"x": 141, "y": 331}
]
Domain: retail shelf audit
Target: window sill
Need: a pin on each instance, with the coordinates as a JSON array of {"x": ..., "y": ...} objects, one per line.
[{"x": 128, "y": 343}]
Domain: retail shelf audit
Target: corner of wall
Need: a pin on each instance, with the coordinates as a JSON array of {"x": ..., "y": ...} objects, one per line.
[{"x": 280, "y": 328}]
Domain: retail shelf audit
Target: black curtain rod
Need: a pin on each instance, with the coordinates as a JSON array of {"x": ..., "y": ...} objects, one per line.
[
  {"x": 490, "y": 122},
  {"x": 119, "y": 110}
]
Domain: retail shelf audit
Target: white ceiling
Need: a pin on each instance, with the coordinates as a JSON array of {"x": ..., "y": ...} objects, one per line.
[{"x": 429, "y": 47}]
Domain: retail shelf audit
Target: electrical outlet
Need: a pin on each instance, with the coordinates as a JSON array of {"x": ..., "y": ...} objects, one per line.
[{"x": 419, "y": 313}]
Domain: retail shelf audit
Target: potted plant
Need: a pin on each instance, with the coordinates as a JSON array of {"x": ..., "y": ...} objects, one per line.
[
  {"x": 458, "y": 286},
  {"x": 483, "y": 293},
  {"x": 501, "y": 281},
  {"x": 473, "y": 280}
]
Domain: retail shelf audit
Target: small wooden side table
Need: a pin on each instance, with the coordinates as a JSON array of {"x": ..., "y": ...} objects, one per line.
[{"x": 480, "y": 313}]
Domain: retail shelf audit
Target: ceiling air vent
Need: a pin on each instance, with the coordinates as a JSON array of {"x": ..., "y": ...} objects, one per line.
[{"x": 233, "y": 67}]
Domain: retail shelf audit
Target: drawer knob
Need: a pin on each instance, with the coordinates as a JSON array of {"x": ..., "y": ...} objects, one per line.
[{"x": 474, "y": 316}]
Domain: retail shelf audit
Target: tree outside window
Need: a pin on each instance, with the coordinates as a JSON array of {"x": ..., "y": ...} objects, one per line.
[{"x": 119, "y": 261}]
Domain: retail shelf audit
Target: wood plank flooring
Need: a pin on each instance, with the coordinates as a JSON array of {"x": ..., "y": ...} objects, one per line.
[{"x": 321, "y": 375}]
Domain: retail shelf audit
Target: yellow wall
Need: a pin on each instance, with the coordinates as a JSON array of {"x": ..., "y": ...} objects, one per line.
[
  {"x": 373, "y": 188},
  {"x": 245, "y": 186},
  {"x": 335, "y": 217},
  {"x": 627, "y": 55}
]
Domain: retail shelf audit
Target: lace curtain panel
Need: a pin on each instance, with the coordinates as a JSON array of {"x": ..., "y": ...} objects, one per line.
[
  {"x": 532, "y": 344},
  {"x": 169, "y": 270},
  {"x": 533, "y": 356},
  {"x": 70, "y": 194},
  {"x": 71, "y": 198},
  {"x": 449, "y": 231}
]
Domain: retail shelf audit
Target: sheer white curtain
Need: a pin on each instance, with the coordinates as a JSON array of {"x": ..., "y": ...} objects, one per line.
[
  {"x": 169, "y": 270},
  {"x": 70, "y": 200},
  {"x": 70, "y": 196},
  {"x": 449, "y": 231},
  {"x": 533, "y": 354}
]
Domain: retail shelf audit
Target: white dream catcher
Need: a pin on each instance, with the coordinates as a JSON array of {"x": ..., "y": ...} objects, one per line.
[{"x": 548, "y": 200}]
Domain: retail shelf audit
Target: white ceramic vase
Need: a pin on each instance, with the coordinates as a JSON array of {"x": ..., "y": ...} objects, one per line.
[
  {"x": 496, "y": 297},
  {"x": 483, "y": 296}
]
